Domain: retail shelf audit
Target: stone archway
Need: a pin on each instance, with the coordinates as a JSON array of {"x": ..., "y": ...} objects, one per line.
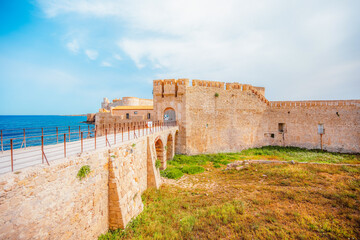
[
  {"x": 159, "y": 146},
  {"x": 177, "y": 143},
  {"x": 169, "y": 115},
  {"x": 169, "y": 148}
]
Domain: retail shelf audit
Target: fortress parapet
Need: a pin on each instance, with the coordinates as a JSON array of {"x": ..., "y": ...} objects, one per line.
[
  {"x": 170, "y": 87},
  {"x": 203, "y": 83},
  {"x": 298, "y": 104},
  {"x": 173, "y": 87},
  {"x": 181, "y": 84},
  {"x": 258, "y": 91}
]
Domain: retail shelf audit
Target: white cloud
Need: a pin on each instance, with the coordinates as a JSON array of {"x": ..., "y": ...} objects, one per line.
[
  {"x": 92, "y": 54},
  {"x": 106, "y": 64},
  {"x": 73, "y": 46},
  {"x": 277, "y": 44},
  {"x": 118, "y": 57}
]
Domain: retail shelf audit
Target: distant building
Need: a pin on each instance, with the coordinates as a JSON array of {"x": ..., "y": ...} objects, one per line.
[{"x": 128, "y": 109}]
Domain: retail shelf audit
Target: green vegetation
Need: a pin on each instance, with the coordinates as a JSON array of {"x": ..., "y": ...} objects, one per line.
[
  {"x": 83, "y": 172},
  {"x": 157, "y": 163},
  {"x": 133, "y": 145},
  {"x": 260, "y": 201},
  {"x": 299, "y": 154},
  {"x": 186, "y": 164},
  {"x": 173, "y": 173},
  {"x": 216, "y": 95},
  {"x": 192, "y": 169}
]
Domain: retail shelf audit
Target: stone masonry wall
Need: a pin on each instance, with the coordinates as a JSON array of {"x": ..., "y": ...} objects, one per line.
[
  {"x": 341, "y": 120},
  {"x": 227, "y": 122},
  {"x": 127, "y": 181},
  {"x": 171, "y": 93},
  {"x": 50, "y": 202}
]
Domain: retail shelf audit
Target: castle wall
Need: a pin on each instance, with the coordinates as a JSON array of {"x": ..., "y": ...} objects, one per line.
[
  {"x": 227, "y": 122},
  {"x": 171, "y": 94},
  {"x": 341, "y": 120},
  {"x": 240, "y": 117}
]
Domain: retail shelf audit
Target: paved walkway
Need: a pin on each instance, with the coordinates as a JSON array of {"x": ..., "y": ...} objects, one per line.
[{"x": 30, "y": 156}]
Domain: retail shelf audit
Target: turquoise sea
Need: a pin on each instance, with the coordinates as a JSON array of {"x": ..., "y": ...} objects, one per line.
[{"x": 52, "y": 127}]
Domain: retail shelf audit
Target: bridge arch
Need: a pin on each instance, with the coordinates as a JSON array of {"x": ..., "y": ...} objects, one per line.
[
  {"x": 159, "y": 146},
  {"x": 169, "y": 147}
]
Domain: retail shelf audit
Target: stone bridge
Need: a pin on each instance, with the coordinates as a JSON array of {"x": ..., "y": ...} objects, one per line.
[{"x": 50, "y": 202}]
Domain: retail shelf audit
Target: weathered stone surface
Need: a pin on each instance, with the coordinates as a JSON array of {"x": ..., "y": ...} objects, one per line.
[{"x": 50, "y": 202}]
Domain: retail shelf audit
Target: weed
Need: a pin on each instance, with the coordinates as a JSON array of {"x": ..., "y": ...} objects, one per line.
[
  {"x": 157, "y": 163},
  {"x": 172, "y": 173},
  {"x": 216, "y": 95},
  {"x": 83, "y": 172},
  {"x": 187, "y": 224},
  {"x": 216, "y": 165},
  {"x": 133, "y": 145},
  {"x": 192, "y": 169}
]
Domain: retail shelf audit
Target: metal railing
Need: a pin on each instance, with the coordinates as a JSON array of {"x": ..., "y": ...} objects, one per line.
[{"x": 30, "y": 149}]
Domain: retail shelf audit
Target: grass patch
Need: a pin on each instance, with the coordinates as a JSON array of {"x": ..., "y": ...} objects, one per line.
[
  {"x": 192, "y": 169},
  {"x": 172, "y": 173},
  {"x": 299, "y": 154},
  {"x": 83, "y": 172},
  {"x": 260, "y": 201}
]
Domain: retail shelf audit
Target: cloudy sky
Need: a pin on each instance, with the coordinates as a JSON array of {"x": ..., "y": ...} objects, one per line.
[{"x": 64, "y": 56}]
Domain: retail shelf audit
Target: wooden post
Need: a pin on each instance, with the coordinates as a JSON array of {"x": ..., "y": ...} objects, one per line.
[
  {"x": 12, "y": 155},
  {"x": 42, "y": 149},
  {"x": 2, "y": 148},
  {"x": 64, "y": 145},
  {"x": 81, "y": 141},
  {"x": 95, "y": 137},
  {"x": 115, "y": 135}
]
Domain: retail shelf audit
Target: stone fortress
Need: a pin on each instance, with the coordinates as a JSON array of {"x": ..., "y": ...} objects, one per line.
[
  {"x": 229, "y": 117},
  {"x": 49, "y": 202}
]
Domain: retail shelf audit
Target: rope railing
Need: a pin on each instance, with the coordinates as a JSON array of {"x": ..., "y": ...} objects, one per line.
[{"x": 20, "y": 152}]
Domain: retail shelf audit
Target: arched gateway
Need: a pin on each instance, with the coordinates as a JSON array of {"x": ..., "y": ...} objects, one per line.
[{"x": 169, "y": 115}]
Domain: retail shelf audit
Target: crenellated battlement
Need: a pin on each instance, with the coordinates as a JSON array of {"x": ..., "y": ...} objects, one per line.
[
  {"x": 170, "y": 87},
  {"x": 173, "y": 87},
  {"x": 258, "y": 91},
  {"x": 202, "y": 83},
  {"x": 297, "y": 104}
]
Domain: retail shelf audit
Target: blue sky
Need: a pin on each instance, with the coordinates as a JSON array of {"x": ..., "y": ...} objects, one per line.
[{"x": 63, "y": 57}]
